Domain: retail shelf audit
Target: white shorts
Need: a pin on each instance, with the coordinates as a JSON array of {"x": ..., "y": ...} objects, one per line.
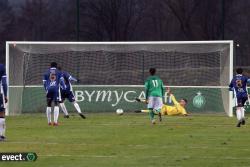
[{"x": 155, "y": 102}]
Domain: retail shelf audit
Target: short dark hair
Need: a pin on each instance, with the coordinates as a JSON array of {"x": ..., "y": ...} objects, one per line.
[
  {"x": 185, "y": 100},
  {"x": 152, "y": 71},
  {"x": 239, "y": 70},
  {"x": 53, "y": 64}
]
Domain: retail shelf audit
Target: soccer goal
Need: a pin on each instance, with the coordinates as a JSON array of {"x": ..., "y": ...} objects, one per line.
[{"x": 112, "y": 74}]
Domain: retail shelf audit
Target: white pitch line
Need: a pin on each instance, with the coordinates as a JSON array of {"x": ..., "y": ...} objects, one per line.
[
  {"x": 167, "y": 125},
  {"x": 31, "y": 142},
  {"x": 135, "y": 146},
  {"x": 99, "y": 156},
  {"x": 226, "y": 158},
  {"x": 82, "y": 156},
  {"x": 140, "y": 156}
]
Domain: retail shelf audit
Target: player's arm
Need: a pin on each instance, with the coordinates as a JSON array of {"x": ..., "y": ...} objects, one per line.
[
  {"x": 172, "y": 97},
  {"x": 72, "y": 78},
  {"x": 69, "y": 77},
  {"x": 248, "y": 80},
  {"x": 231, "y": 85},
  {"x": 163, "y": 89},
  {"x": 4, "y": 85},
  {"x": 44, "y": 82},
  {"x": 184, "y": 112},
  {"x": 146, "y": 89},
  {"x": 62, "y": 83}
]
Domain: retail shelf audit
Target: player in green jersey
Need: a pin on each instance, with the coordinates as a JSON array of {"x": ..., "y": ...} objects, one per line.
[{"x": 154, "y": 92}]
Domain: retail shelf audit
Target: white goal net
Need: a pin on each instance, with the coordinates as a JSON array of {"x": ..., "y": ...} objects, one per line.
[{"x": 112, "y": 74}]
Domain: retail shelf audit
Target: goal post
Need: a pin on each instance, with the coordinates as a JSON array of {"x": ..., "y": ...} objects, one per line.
[{"x": 112, "y": 74}]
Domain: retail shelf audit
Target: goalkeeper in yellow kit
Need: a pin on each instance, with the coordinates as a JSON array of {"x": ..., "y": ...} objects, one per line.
[{"x": 177, "y": 109}]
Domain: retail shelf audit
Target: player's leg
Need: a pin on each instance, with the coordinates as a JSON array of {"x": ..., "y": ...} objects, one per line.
[
  {"x": 141, "y": 111},
  {"x": 157, "y": 107},
  {"x": 56, "y": 99},
  {"x": 48, "y": 109},
  {"x": 238, "y": 111},
  {"x": 76, "y": 105},
  {"x": 2, "y": 125},
  {"x": 238, "y": 114},
  {"x": 157, "y": 112},
  {"x": 151, "y": 115},
  {"x": 2, "y": 119},
  {"x": 71, "y": 99},
  {"x": 150, "y": 108},
  {"x": 141, "y": 101},
  {"x": 62, "y": 105},
  {"x": 64, "y": 109},
  {"x": 243, "y": 121},
  {"x": 56, "y": 114}
]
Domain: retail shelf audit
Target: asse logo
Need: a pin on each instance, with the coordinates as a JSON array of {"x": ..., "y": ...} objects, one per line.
[{"x": 199, "y": 101}]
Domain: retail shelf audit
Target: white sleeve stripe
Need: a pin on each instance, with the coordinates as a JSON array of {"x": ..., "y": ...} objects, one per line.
[{"x": 4, "y": 76}]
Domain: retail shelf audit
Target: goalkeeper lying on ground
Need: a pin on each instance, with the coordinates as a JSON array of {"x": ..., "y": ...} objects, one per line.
[{"x": 177, "y": 109}]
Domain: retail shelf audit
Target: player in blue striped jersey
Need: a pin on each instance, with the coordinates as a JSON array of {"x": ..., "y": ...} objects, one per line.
[
  {"x": 68, "y": 94},
  {"x": 3, "y": 100},
  {"x": 239, "y": 86},
  {"x": 52, "y": 81}
]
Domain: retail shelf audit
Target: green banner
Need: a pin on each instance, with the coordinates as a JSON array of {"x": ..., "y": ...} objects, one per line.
[{"x": 108, "y": 99}]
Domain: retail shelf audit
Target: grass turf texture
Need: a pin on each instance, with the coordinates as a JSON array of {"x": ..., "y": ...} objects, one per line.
[{"x": 108, "y": 140}]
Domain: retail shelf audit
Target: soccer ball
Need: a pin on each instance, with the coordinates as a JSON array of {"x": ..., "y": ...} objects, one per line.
[{"x": 119, "y": 111}]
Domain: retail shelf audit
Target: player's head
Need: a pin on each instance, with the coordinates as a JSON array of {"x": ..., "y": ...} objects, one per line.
[
  {"x": 183, "y": 102},
  {"x": 239, "y": 70},
  {"x": 59, "y": 68},
  {"x": 53, "y": 64},
  {"x": 152, "y": 71}
]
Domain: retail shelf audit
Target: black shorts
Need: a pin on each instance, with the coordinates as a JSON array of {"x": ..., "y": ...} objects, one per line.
[
  {"x": 241, "y": 101},
  {"x": 53, "y": 95},
  {"x": 67, "y": 95}
]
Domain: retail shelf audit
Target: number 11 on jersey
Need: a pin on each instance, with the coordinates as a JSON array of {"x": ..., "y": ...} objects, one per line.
[{"x": 155, "y": 83}]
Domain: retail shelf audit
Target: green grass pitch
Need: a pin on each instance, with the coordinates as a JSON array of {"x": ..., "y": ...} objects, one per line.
[{"x": 108, "y": 140}]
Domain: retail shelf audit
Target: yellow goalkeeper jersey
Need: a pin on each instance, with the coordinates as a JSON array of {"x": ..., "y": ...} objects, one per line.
[{"x": 176, "y": 109}]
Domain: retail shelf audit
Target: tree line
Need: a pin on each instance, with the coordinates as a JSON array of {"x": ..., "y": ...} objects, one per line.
[{"x": 127, "y": 20}]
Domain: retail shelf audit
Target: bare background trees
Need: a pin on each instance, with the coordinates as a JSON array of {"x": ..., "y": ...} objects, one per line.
[{"x": 127, "y": 20}]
